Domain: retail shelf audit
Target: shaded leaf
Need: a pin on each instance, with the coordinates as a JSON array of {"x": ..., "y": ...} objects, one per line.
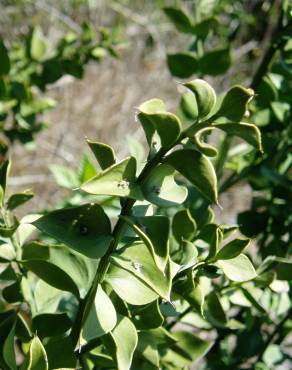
[
  {"x": 183, "y": 225},
  {"x": 85, "y": 228},
  {"x": 205, "y": 96},
  {"x": 51, "y": 324},
  {"x": 104, "y": 153},
  {"x": 179, "y": 18},
  {"x": 182, "y": 65},
  {"x": 154, "y": 232},
  {"x": 4, "y": 59},
  {"x": 197, "y": 169},
  {"x": 247, "y": 131},
  {"x": 215, "y": 62},
  {"x": 232, "y": 249}
]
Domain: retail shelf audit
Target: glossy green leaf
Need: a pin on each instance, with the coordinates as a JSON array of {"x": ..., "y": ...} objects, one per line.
[
  {"x": 18, "y": 199},
  {"x": 124, "y": 337},
  {"x": 182, "y": 65},
  {"x": 102, "y": 317},
  {"x": 234, "y": 104},
  {"x": 118, "y": 180},
  {"x": 205, "y": 96},
  {"x": 129, "y": 287},
  {"x": 154, "y": 232},
  {"x": 161, "y": 189},
  {"x": 238, "y": 269},
  {"x": 86, "y": 228},
  {"x": 232, "y": 249},
  {"x": 4, "y": 59},
  {"x": 183, "y": 225},
  {"x": 247, "y": 131},
  {"x": 8, "y": 350},
  {"x": 179, "y": 18},
  {"x": 215, "y": 62},
  {"x": 37, "y": 357},
  {"x": 51, "y": 324},
  {"x": 137, "y": 259},
  {"x": 104, "y": 153},
  {"x": 197, "y": 169},
  {"x": 212, "y": 235},
  {"x": 38, "y": 45}
]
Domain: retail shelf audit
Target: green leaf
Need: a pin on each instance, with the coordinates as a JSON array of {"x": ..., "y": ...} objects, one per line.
[
  {"x": 125, "y": 339},
  {"x": 37, "y": 357},
  {"x": 189, "y": 255},
  {"x": 215, "y": 313},
  {"x": 203, "y": 147},
  {"x": 18, "y": 199},
  {"x": 188, "y": 106},
  {"x": 183, "y": 225},
  {"x": 179, "y": 18},
  {"x": 51, "y": 324},
  {"x": 149, "y": 107},
  {"x": 118, "y": 180},
  {"x": 182, "y": 65},
  {"x": 8, "y": 350},
  {"x": 232, "y": 249},
  {"x": 86, "y": 228},
  {"x": 7, "y": 232},
  {"x": 60, "y": 353},
  {"x": 189, "y": 348},
  {"x": 167, "y": 124},
  {"x": 161, "y": 189},
  {"x": 234, "y": 104},
  {"x": 148, "y": 317},
  {"x": 12, "y": 293},
  {"x": 104, "y": 153},
  {"x": 38, "y": 45},
  {"x": 74, "y": 270},
  {"x": 247, "y": 131},
  {"x": 53, "y": 275},
  {"x": 238, "y": 269},
  {"x": 154, "y": 232},
  {"x": 128, "y": 287},
  {"x": 215, "y": 62},
  {"x": 64, "y": 176},
  {"x": 205, "y": 96},
  {"x": 197, "y": 169},
  {"x": 147, "y": 349},
  {"x": 4, "y": 59},
  {"x": 102, "y": 317},
  {"x": 4, "y": 172},
  {"x": 212, "y": 235},
  {"x": 137, "y": 259}
]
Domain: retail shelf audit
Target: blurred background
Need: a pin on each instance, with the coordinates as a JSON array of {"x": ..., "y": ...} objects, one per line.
[{"x": 100, "y": 103}]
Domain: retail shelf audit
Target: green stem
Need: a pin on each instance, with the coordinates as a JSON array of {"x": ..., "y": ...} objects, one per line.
[{"x": 86, "y": 303}]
